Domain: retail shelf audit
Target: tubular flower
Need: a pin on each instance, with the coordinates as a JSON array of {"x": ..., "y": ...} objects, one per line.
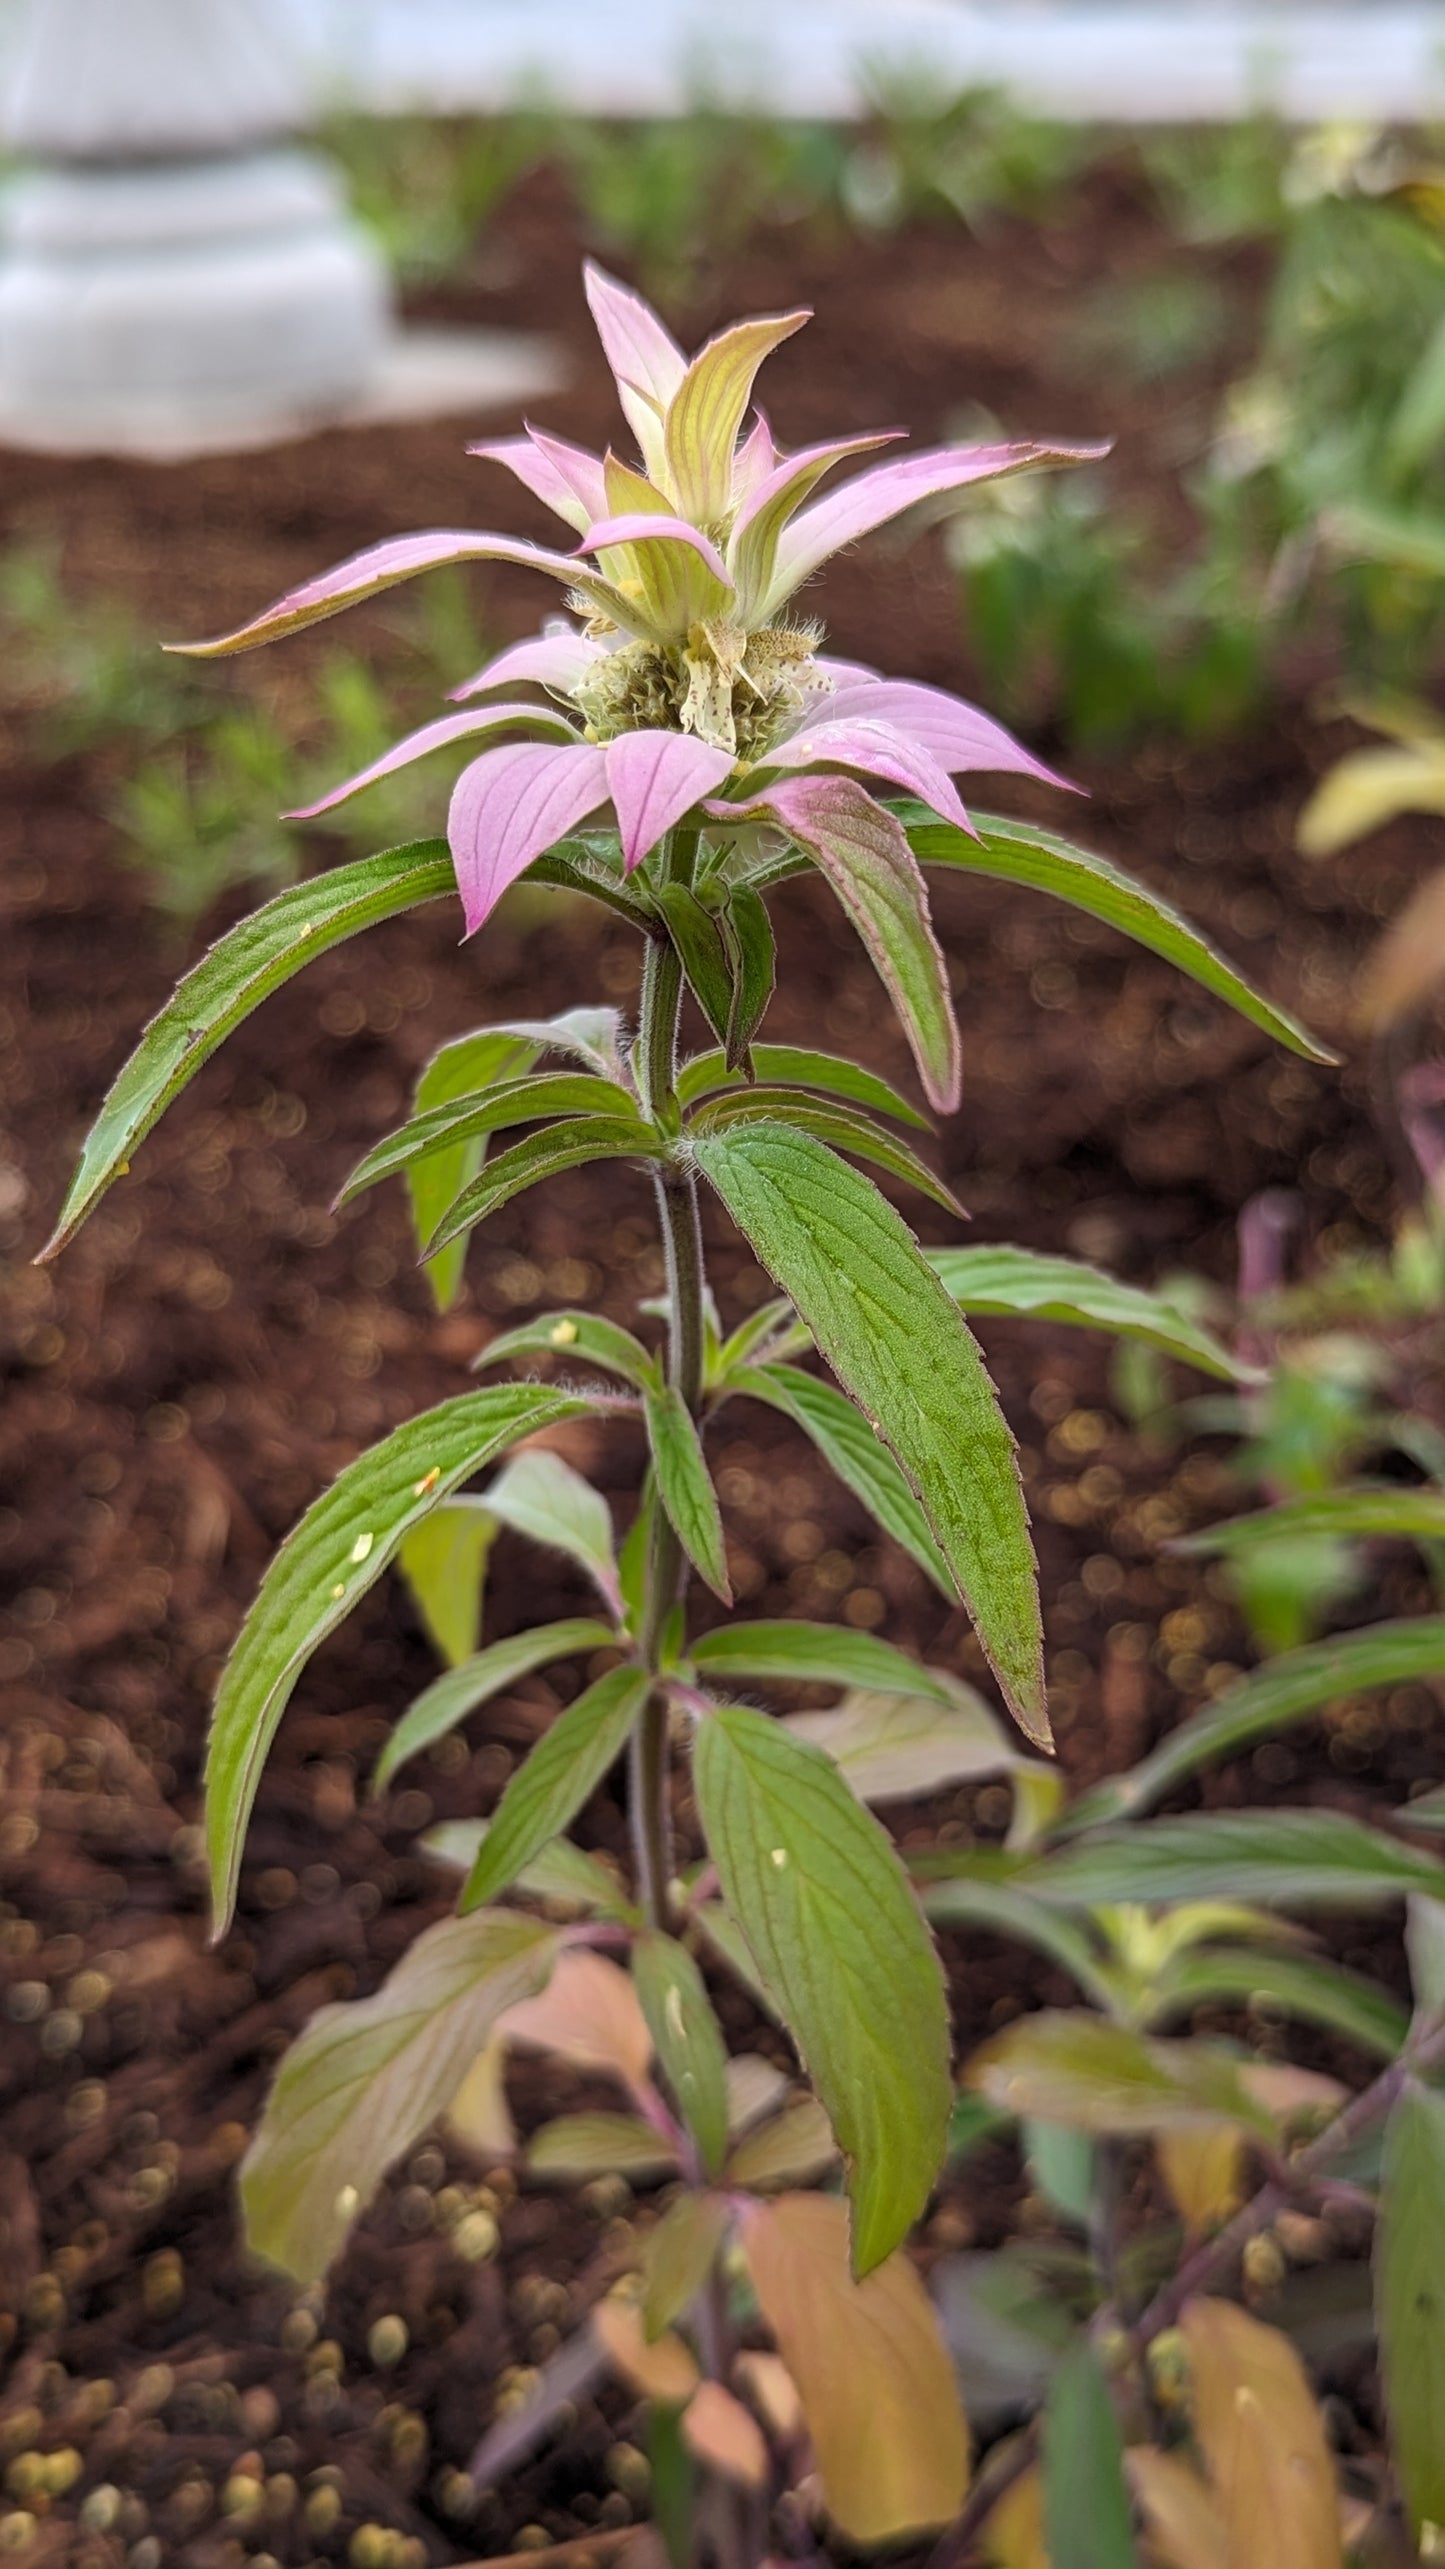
[{"x": 687, "y": 684}]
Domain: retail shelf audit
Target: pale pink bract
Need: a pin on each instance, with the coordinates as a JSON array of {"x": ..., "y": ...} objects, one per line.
[{"x": 684, "y": 691}]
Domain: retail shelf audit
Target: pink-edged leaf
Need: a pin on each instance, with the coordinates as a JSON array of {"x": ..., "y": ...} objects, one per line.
[
  {"x": 654, "y": 777},
  {"x": 867, "y": 859},
  {"x": 556, "y": 657},
  {"x": 703, "y": 419},
  {"x": 874, "y": 497},
  {"x": 401, "y": 557},
  {"x": 513, "y": 804},
  {"x": 754, "y": 460},
  {"x": 646, "y": 361},
  {"x": 644, "y": 526},
  {"x": 760, "y": 520},
  {"x": 565, "y": 478},
  {"x": 683, "y": 577},
  {"x": 878, "y": 749},
  {"x": 437, "y": 735},
  {"x": 955, "y": 733}
]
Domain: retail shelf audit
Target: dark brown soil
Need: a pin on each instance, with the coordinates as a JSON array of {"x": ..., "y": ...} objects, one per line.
[{"x": 217, "y": 1344}]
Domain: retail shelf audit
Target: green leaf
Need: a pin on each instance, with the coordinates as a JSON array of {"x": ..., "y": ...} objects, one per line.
[
  {"x": 687, "y": 2039},
  {"x": 1002, "y": 1911},
  {"x": 1280, "y": 1858},
  {"x": 1319, "y": 1993},
  {"x": 448, "y": 1129},
  {"x": 1087, "y": 2516},
  {"x": 1063, "y": 2167},
  {"x": 795, "y": 2147},
  {"x": 338, "y": 1551},
  {"x": 817, "y": 1654},
  {"x": 678, "y": 2257},
  {"x": 858, "y": 845},
  {"x": 254, "y": 959},
  {"x": 837, "y": 1938},
  {"x": 450, "y": 1699},
  {"x": 562, "y": 1872},
  {"x": 542, "y": 1497},
  {"x": 1027, "y": 1285},
  {"x": 792, "y": 1065},
  {"x": 1064, "y": 2067},
  {"x": 747, "y": 935},
  {"x": 1016, "y": 852},
  {"x": 472, "y": 1062},
  {"x": 899, "y": 1747},
  {"x": 444, "y": 1563},
  {"x": 1425, "y": 1953},
  {"x": 1410, "y": 2298},
  {"x": 1426, "y": 1812},
  {"x": 572, "y": 1144},
  {"x": 578, "y": 2146},
  {"x": 704, "y": 958},
  {"x": 843, "y": 1126},
  {"x": 1285, "y": 1690},
  {"x": 575, "y": 1337},
  {"x": 900, "y": 1347},
  {"x": 635, "y": 1556},
  {"x": 366, "y": 2079},
  {"x": 1411, "y": 1515},
  {"x": 847, "y": 1442},
  {"x": 549, "y": 1789},
  {"x": 685, "y": 1487}
]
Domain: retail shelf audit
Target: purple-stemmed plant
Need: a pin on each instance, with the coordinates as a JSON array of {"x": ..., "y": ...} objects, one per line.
[{"x": 678, "y": 748}]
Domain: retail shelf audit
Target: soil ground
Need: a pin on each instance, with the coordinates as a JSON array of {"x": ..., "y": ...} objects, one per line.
[{"x": 217, "y": 1344}]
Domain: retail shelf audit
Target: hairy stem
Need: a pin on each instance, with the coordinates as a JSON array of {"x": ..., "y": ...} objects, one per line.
[{"x": 655, "y": 1061}]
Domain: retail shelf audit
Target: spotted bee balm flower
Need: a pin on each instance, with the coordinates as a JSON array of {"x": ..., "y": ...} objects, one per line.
[{"x": 690, "y": 689}]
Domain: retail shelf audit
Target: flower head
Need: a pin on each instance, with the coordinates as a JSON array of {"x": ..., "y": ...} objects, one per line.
[{"x": 689, "y": 683}]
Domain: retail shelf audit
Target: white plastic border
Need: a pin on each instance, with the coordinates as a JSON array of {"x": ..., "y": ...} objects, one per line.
[{"x": 1139, "y": 60}]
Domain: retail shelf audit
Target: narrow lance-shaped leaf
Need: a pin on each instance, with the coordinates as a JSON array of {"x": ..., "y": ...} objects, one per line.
[
  {"x": 1016, "y": 852},
  {"x": 338, "y": 1551},
  {"x": 1086, "y": 2499},
  {"x": 877, "y": 2387},
  {"x": 1265, "y": 1702},
  {"x": 565, "y": 1767},
  {"x": 581, "y": 1337},
  {"x": 1024, "y": 1284},
  {"x": 808, "y": 1873},
  {"x": 460, "y": 1068},
  {"x": 1410, "y": 2298},
  {"x": 817, "y": 1654},
  {"x": 892, "y": 1747},
  {"x": 444, "y": 1131},
  {"x": 1315, "y": 1858},
  {"x": 793, "y": 1065},
  {"x": 540, "y": 1495},
  {"x": 685, "y": 1487},
  {"x": 569, "y": 1145},
  {"x": 560, "y": 1873},
  {"x": 1319, "y": 1993},
  {"x": 462, "y": 1689},
  {"x": 848, "y": 1444},
  {"x": 1263, "y": 2440},
  {"x": 444, "y": 1563},
  {"x": 247, "y": 964},
  {"x": 1406, "y": 1515},
  {"x": 865, "y": 856},
  {"x": 1064, "y": 2067},
  {"x": 843, "y": 1126},
  {"x": 747, "y": 934},
  {"x": 687, "y": 2039},
  {"x": 678, "y": 2257},
  {"x": 897, "y": 1343},
  {"x": 366, "y": 2079}
]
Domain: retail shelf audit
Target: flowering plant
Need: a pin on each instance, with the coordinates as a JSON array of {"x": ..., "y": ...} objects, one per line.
[{"x": 685, "y": 745}]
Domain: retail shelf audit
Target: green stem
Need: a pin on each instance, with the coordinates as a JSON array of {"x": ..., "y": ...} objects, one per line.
[{"x": 656, "y": 1066}]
